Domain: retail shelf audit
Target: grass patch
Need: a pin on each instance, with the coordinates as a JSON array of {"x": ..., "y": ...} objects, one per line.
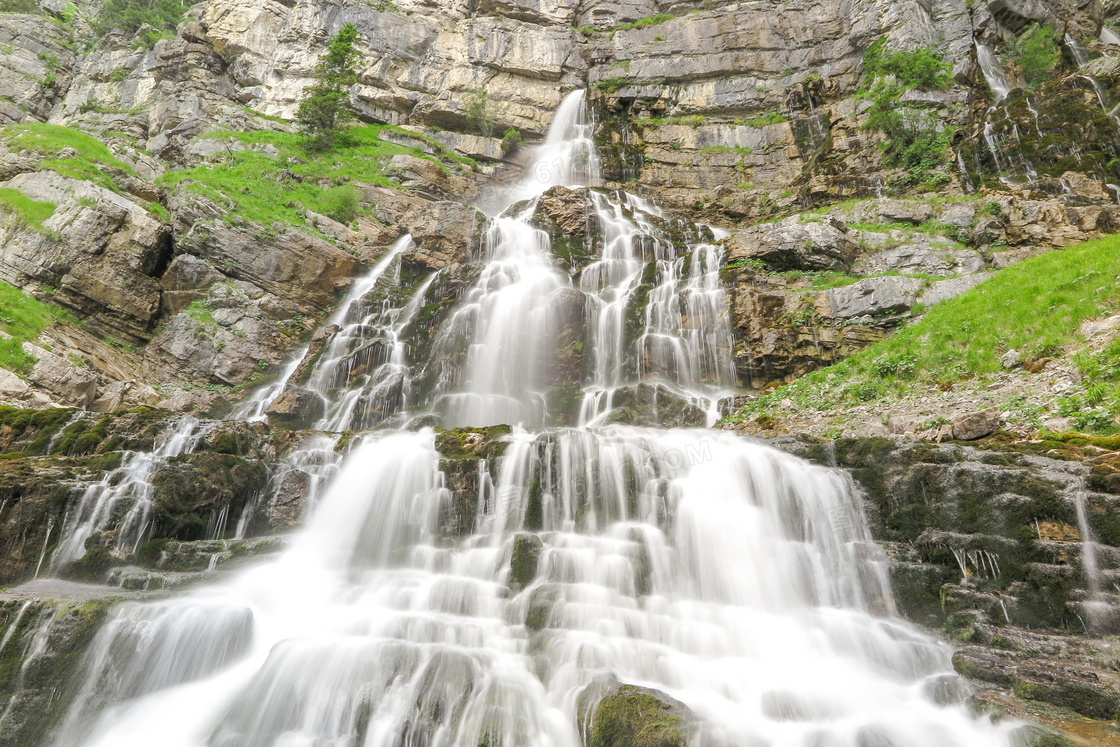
[
  {"x": 764, "y": 120},
  {"x": 265, "y": 189},
  {"x": 695, "y": 119},
  {"x": 31, "y": 212},
  {"x": 1035, "y": 306},
  {"x": 92, "y": 159},
  {"x": 23, "y": 317}
]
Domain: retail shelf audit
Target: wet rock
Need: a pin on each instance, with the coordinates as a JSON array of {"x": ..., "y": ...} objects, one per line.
[
  {"x": 792, "y": 245},
  {"x": 542, "y": 600},
  {"x": 523, "y": 563},
  {"x": 654, "y": 405},
  {"x": 872, "y": 296},
  {"x": 1068, "y": 687},
  {"x": 974, "y": 425},
  {"x": 297, "y": 407},
  {"x": 32, "y": 676}
]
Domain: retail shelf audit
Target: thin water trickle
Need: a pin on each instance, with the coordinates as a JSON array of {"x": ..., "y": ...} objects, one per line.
[
  {"x": 737, "y": 579},
  {"x": 993, "y": 73}
]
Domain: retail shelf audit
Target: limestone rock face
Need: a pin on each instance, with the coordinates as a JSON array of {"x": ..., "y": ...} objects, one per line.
[
  {"x": 792, "y": 245},
  {"x": 873, "y": 296},
  {"x": 102, "y": 251},
  {"x": 445, "y": 233}
]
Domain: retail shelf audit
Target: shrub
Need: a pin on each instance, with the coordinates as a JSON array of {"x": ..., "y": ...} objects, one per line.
[
  {"x": 342, "y": 202},
  {"x": 481, "y": 111},
  {"x": 1037, "y": 53},
  {"x": 511, "y": 140}
]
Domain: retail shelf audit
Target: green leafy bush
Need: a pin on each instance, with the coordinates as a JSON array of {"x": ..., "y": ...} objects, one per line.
[
  {"x": 1037, "y": 53},
  {"x": 511, "y": 140}
]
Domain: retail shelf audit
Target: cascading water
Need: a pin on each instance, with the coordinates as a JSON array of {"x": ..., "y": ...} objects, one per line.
[
  {"x": 123, "y": 497},
  {"x": 993, "y": 73},
  {"x": 739, "y": 580}
]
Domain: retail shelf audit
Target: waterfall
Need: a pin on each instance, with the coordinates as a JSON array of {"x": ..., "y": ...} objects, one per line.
[
  {"x": 993, "y": 74},
  {"x": 122, "y": 498},
  {"x": 737, "y": 579},
  {"x": 1108, "y": 36}
]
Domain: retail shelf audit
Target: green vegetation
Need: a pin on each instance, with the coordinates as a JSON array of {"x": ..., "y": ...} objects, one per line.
[
  {"x": 763, "y": 120},
  {"x": 641, "y": 23},
  {"x": 92, "y": 157},
  {"x": 263, "y": 189},
  {"x": 342, "y": 202},
  {"x": 1035, "y": 306},
  {"x": 1037, "y": 53},
  {"x": 23, "y": 317},
  {"x": 325, "y": 109},
  {"x": 695, "y": 119},
  {"x": 511, "y": 140},
  {"x": 159, "y": 16},
  {"x": 916, "y": 141},
  {"x": 19, "y": 6},
  {"x": 481, "y": 111},
  {"x": 30, "y": 212},
  {"x": 610, "y": 85}
]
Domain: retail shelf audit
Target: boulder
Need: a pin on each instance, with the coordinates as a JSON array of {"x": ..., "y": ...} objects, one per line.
[
  {"x": 904, "y": 211},
  {"x": 793, "y": 245},
  {"x": 922, "y": 258},
  {"x": 974, "y": 425},
  {"x": 618, "y": 715},
  {"x": 297, "y": 406},
  {"x": 891, "y": 294}
]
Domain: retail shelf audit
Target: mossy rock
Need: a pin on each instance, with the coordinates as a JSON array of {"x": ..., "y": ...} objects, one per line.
[
  {"x": 630, "y": 716},
  {"x": 524, "y": 561},
  {"x": 472, "y": 443}
]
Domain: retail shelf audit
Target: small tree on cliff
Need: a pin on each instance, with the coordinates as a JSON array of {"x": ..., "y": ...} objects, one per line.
[{"x": 325, "y": 108}]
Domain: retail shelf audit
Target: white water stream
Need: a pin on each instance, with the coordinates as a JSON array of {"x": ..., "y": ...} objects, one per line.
[{"x": 735, "y": 578}]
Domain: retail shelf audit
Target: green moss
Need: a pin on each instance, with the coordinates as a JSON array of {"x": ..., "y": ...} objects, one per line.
[
  {"x": 524, "y": 560},
  {"x": 1037, "y": 53},
  {"x": 634, "y": 718},
  {"x": 472, "y": 443}
]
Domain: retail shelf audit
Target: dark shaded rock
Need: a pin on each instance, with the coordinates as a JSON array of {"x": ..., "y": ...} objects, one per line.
[
  {"x": 32, "y": 678},
  {"x": 655, "y": 405},
  {"x": 542, "y": 600},
  {"x": 523, "y": 562}
]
